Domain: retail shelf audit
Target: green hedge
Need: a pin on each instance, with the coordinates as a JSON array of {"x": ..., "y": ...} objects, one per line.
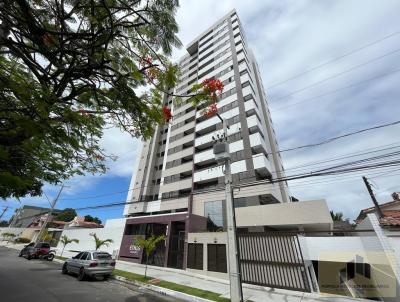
[{"x": 22, "y": 240}]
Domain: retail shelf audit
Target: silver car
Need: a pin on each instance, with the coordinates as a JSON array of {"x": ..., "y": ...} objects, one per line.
[{"x": 90, "y": 263}]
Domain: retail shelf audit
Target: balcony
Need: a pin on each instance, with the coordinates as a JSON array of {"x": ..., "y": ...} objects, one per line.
[
  {"x": 207, "y": 124},
  {"x": 176, "y": 186},
  {"x": 206, "y": 141},
  {"x": 254, "y": 124},
  {"x": 206, "y": 157},
  {"x": 181, "y": 154},
  {"x": 251, "y": 108},
  {"x": 262, "y": 165},
  {"x": 175, "y": 203},
  {"x": 179, "y": 169},
  {"x": 215, "y": 172},
  {"x": 257, "y": 143}
]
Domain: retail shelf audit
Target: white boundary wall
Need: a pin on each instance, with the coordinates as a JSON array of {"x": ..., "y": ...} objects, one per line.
[{"x": 113, "y": 229}]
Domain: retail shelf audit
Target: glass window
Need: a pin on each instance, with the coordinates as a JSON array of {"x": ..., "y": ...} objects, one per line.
[
  {"x": 102, "y": 256},
  {"x": 78, "y": 256},
  {"x": 85, "y": 256},
  {"x": 213, "y": 212}
]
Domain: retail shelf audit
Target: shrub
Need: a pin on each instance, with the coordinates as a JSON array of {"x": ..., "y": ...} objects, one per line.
[{"x": 22, "y": 240}]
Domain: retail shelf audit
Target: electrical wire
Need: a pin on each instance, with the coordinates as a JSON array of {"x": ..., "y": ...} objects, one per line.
[
  {"x": 336, "y": 75},
  {"x": 335, "y": 59},
  {"x": 318, "y": 97}
]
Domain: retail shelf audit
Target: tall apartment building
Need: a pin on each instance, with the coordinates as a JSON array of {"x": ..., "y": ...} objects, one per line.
[{"x": 175, "y": 188}]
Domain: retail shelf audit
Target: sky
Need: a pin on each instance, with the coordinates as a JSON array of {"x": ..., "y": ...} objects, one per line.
[{"x": 308, "y": 102}]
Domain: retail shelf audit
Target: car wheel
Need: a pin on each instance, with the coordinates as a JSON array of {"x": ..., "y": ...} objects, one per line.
[
  {"x": 81, "y": 275},
  {"x": 29, "y": 257},
  {"x": 20, "y": 254},
  {"x": 64, "y": 269},
  {"x": 50, "y": 257}
]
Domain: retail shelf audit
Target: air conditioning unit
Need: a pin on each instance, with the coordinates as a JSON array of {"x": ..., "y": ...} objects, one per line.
[{"x": 221, "y": 151}]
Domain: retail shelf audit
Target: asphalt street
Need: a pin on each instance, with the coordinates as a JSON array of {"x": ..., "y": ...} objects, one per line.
[{"x": 38, "y": 280}]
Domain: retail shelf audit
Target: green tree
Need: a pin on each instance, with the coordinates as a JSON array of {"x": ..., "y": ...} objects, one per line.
[
  {"x": 70, "y": 68},
  {"x": 65, "y": 241},
  {"x": 89, "y": 218},
  {"x": 99, "y": 243},
  {"x": 46, "y": 236},
  {"x": 337, "y": 216},
  {"x": 68, "y": 214},
  {"x": 3, "y": 223},
  {"x": 148, "y": 245}
]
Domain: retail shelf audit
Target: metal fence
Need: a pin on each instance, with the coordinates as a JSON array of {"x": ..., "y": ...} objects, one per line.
[{"x": 273, "y": 260}]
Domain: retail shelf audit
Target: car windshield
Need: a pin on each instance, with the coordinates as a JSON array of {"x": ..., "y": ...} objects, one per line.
[
  {"x": 43, "y": 245},
  {"x": 102, "y": 256}
]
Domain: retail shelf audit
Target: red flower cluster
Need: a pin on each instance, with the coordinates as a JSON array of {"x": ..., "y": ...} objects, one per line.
[
  {"x": 167, "y": 114},
  {"x": 211, "y": 110},
  {"x": 213, "y": 86},
  {"x": 145, "y": 61}
]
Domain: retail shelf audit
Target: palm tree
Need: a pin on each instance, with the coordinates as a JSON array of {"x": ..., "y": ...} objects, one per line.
[
  {"x": 99, "y": 243},
  {"x": 65, "y": 241},
  {"x": 148, "y": 245}
]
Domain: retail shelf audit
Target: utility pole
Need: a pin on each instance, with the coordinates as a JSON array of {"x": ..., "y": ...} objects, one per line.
[
  {"x": 5, "y": 210},
  {"x": 53, "y": 204},
  {"x": 221, "y": 152},
  {"x": 371, "y": 193}
]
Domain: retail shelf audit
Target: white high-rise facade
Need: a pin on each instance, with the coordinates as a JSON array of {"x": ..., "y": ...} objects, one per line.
[{"x": 177, "y": 177}]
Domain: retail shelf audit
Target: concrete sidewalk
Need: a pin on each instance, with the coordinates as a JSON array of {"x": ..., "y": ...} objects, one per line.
[
  {"x": 250, "y": 292},
  {"x": 216, "y": 285}
]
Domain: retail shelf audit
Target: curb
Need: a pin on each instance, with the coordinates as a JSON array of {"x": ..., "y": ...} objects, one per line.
[{"x": 161, "y": 290}]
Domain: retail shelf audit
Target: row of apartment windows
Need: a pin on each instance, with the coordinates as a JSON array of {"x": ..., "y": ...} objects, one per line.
[
  {"x": 218, "y": 45},
  {"x": 212, "y": 52},
  {"x": 178, "y": 162},
  {"x": 176, "y": 194},
  {"x": 182, "y": 113},
  {"x": 176, "y": 177},
  {"x": 183, "y": 123},
  {"x": 180, "y": 147},
  {"x": 219, "y": 74},
  {"x": 216, "y": 33},
  {"x": 216, "y": 66}
]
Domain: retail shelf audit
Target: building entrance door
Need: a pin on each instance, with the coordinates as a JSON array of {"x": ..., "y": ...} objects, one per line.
[{"x": 176, "y": 245}]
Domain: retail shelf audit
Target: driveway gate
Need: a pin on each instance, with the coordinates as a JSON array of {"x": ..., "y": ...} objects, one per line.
[{"x": 273, "y": 260}]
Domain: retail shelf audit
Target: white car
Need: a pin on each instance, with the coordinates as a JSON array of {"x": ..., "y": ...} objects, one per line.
[{"x": 90, "y": 263}]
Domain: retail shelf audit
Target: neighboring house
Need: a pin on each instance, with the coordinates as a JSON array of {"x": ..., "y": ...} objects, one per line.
[
  {"x": 77, "y": 222},
  {"x": 29, "y": 215}
]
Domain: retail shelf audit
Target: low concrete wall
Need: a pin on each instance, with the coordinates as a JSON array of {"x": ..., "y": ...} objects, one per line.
[
  {"x": 19, "y": 232},
  {"x": 113, "y": 230}
]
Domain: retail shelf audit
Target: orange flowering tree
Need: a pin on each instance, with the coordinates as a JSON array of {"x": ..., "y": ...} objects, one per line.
[{"x": 70, "y": 69}]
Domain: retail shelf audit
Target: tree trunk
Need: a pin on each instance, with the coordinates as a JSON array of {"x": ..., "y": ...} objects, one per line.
[
  {"x": 145, "y": 270},
  {"x": 62, "y": 251}
]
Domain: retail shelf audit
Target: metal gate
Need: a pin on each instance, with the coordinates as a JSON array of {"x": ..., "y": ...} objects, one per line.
[{"x": 273, "y": 260}]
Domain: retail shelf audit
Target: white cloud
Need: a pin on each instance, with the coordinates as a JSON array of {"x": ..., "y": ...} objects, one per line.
[{"x": 290, "y": 37}]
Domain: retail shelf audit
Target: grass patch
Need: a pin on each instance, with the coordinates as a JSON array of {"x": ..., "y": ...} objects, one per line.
[
  {"x": 178, "y": 287},
  {"x": 60, "y": 258}
]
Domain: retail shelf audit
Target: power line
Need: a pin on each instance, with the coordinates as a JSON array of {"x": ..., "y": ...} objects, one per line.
[
  {"x": 340, "y": 137},
  {"x": 335, "y": 59},
  {"x": 348, "y": 155},
  {"x": 336, "y": 75},
  {"x": 316, "y": 98}
]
